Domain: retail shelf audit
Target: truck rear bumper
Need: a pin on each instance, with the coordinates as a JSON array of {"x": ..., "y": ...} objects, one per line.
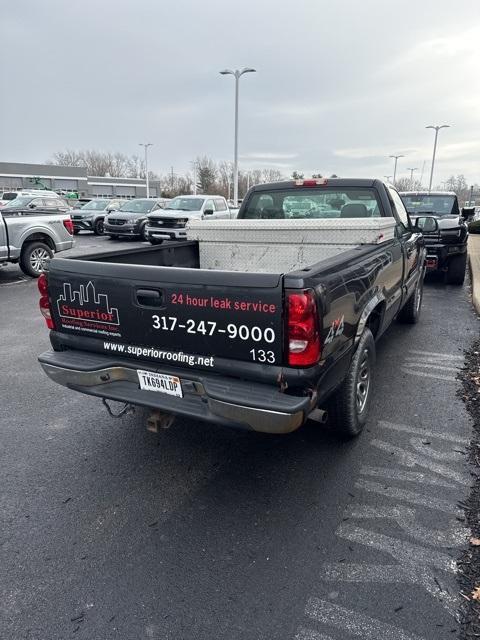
[
  {"x": 167, "y": 233},
  {"x": 225, "y": 401},
  {"x": 63, "y": 246},
  {"x": 438, "y": 254}
]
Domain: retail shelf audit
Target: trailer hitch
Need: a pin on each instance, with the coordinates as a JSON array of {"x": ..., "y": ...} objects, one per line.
[
  {"x": 158, "y": 420},
  {"x": 127, "y": 408}
]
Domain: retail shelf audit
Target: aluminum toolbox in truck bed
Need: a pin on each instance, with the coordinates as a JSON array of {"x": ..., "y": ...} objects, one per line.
[{"x": 279, "y": 246}]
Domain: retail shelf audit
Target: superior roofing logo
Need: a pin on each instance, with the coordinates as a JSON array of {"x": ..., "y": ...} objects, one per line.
[{"x": 89, "y": 305}]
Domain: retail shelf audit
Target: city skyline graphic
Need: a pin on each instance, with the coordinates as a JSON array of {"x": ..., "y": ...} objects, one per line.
[{"x": 87, "y": 298}]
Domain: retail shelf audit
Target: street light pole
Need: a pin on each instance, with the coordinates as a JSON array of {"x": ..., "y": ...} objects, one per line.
[
  {"x": 411, "y": 175},
  {"x": 194, "y": 162},
  {"x": 237, "y": 75},
  {"x": 437, "y": 129},
  {"x": 146, "y": 145},
  {"x": 395, "y": 167}
]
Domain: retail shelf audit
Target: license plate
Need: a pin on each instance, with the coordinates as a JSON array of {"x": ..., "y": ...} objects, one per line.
[{"x": 150, "y": 381}]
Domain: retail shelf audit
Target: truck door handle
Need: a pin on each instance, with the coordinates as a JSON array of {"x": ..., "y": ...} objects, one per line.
[{"x": 149, "y": 298}]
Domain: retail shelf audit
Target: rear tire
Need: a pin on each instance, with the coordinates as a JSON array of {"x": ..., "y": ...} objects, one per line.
[
  {"x": 410, "y": 312},
  {"x": 348, "y": 407},
  {"x": 457, "y": 266},
  {"x": 34, "y": 257},
  {"x": 98, "y": 228}
]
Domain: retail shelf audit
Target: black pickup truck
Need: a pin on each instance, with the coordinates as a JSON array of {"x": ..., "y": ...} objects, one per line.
[
  {"x": 253, "y": 350},
  {"x": 445, "y": 231}
]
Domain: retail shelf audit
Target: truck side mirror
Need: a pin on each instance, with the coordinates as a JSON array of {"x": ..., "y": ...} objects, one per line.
[{"x": 208, "y": 212}]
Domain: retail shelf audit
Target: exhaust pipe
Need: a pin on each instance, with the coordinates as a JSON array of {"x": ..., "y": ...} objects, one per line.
[{"x": 319, "y": 415}]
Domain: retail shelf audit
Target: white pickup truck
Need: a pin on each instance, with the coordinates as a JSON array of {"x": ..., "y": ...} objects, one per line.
[
  {"x": 31, "y": 238},
  {"x": 170, "y": 223}
]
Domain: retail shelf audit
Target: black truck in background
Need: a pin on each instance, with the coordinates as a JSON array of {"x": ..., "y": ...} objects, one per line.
[
  {"x": 445, "y": 231},
  {"x": 258, "y": 351}
]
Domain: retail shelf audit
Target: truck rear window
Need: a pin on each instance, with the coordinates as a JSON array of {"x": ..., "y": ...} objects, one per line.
[
  {"x": 433, "y": 204},
  {"x": 313, "y": 203}
]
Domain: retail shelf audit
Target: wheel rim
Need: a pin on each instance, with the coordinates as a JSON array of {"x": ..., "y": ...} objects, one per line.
[
  {"x": 38, "y": 259},
  {"x": 100, "y": 227},
  {"x": 363, "y": 381}
]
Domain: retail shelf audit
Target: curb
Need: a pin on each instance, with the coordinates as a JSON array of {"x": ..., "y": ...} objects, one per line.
[{"x": 474, "y": 262}]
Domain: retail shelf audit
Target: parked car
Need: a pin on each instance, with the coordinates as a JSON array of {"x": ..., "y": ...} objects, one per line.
[
  {"x": 131, "y": 218},
  {"x": 11, "y": 195},
  {"x": 45, "y": 204},
  {"x": 257, "y": 348},
  {"x": 170, "y": 224},
  {"x": 31, "y": 238},
  {"x": 91, "y": 215},
  {"x": 446, "y": 238}
]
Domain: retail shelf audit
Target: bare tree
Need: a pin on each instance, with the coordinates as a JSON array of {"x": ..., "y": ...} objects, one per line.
[
  {"x": 211, "y": 177},
  {"x": 68, "y": 158},
  {"x": 172, "y": 186},
  {"x": 459, "y": 185},
  {"x": 225, "y": 179},
  {"x": 405, "y": 184},
  {"x": 271, "y": 175},
  {"x": 101, "y": 163}
]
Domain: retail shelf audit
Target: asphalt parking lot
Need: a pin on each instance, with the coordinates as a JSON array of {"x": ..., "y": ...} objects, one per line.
[{"x": 200, "y": 532}]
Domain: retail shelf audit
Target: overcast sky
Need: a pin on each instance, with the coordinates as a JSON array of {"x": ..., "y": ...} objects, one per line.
[{"x": 340, "y": 85}]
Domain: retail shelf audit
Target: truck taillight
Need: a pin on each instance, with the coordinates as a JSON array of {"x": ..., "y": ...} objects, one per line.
[
  {"x": 314, "y": 182},
  {"x": 44, "y": 302},
  {"x": 68, "y": 224},
  {"x": 304, "y": 347}
]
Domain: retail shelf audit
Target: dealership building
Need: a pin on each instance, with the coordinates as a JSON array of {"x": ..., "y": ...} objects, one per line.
[{"x": 15, "y": 176}]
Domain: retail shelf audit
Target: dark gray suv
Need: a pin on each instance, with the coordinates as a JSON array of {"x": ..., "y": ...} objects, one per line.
[
  {"x": 90, "y": 217},
  {"x": 131, "y": 219}
]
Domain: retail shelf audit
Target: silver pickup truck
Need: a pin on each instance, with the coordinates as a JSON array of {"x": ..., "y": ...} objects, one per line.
[{"x": 31, "y": 238}]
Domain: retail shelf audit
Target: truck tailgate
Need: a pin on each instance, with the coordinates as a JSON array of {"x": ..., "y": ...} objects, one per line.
[{"x": 187, "y": 317}]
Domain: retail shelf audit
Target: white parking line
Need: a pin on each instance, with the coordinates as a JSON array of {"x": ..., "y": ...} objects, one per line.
[
  {"x": 409, "y": 459},
  {"x": 354, "y": 622},
  {"x": 411, "y": 372},
  {"x": 392, "y": 574},
  {"x": 442, "y": 362},
  {"x": 422, "y": 557},
  {"x": 393, "y": 426},
  {"x": 435, "y": 354},
  {"x": 407, "y": 553},
  {"x": 407, "y": 496},
  {"x": 423, "y": 365},
  {"x": 454, "y": 536},
  {"x": 406, "y": 476}
]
